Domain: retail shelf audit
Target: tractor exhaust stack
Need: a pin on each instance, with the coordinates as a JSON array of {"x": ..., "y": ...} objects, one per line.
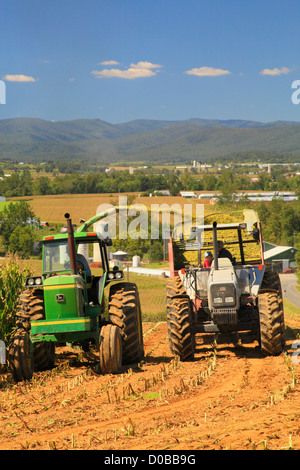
[
  {"x": 71, "y": 244},
  {"x": 215, "y": 244}
]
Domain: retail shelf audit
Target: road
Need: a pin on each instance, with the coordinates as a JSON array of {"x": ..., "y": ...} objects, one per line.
[
  {"x": 148, "y": 271},
  {"x": 290, "y": 293}
]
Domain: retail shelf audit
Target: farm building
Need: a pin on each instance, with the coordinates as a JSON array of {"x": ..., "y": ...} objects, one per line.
[
  {"x": 120, "y": 255},
  {"x": 187, "y": 194},
  {"x": 279, "y": 257},
  {"x": 255, "y": 196},
  {"x": 160, "y": 192}
]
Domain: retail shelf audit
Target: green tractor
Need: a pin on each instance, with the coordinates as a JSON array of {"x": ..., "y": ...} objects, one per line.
[{"x": 65, "y": 305}]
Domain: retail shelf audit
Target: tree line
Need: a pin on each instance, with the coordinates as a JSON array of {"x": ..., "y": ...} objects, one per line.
[{"x": 23, "y": 184}]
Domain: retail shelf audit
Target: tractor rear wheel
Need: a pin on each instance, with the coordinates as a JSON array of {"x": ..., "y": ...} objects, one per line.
[
  {"x": 271, "y": 321},
  {"x": 181, "y": 339},
  {"x": 110, "y": 349},
  {"x": 125, "y": 313},
  {"x": 41, "y": 356}
]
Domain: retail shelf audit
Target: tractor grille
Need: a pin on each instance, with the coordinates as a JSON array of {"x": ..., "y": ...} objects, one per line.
[{"x": 225, "y": 316}]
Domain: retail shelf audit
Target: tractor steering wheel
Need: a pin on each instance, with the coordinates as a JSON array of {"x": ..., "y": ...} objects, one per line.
[{"x": 79, "y": 265}]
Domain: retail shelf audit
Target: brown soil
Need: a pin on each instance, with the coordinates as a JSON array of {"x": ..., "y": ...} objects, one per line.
[{"x": 229, "y": 397}]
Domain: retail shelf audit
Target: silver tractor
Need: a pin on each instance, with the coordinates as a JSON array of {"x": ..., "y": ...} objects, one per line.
[{"x": 233, "y": 295}]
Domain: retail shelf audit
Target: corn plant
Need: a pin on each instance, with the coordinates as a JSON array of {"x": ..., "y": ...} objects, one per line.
[{"x": 12, "y": 277}]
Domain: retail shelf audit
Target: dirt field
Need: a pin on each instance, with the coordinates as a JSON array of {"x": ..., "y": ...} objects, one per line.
[{"x": 228, "y": 398}]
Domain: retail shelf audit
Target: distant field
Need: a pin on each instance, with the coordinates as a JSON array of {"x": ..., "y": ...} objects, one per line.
[{"x": 52, "y": 208}]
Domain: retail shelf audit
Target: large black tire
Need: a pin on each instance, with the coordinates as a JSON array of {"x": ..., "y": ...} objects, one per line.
[
  {"x": 181, "y": 339},
  {"x": 30, "y": 308},
  {"x": 271, "y": 322},
  {"x": 271, "y": 281},
  {"x": 110, "y": 349},
  {"x": 174, "y": 287},
  {"x": 20, "y": 357},
  {"x": 125, "y": 313}
]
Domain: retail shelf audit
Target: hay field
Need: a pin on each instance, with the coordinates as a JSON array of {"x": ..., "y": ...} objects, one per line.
[{"x": 52, "y": 208}]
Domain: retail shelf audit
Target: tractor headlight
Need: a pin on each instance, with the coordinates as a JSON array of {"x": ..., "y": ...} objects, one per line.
[
  {"x": 34, "y": 281},
  {"x": 115, "y": 275}
]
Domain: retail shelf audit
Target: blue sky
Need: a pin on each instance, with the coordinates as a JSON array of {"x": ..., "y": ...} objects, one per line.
[{"x": 120, "y": 60}]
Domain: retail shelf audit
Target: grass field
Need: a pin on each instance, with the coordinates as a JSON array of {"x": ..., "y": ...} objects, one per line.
[
  {"x": 3, "y": 204},
  {"x": 152, "y": 296},
  {"x": 290, "y": 309}
]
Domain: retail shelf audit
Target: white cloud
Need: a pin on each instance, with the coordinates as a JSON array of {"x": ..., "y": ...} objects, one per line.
[
  {"x": 276, "y": 71},
  {"x": 207, "y": 72},
  {"x": 19, "y": 78},
  {"x": 140, "y": 70},
  {"x": 109, "y": 62},
  {"x": 145, "y": 65}
]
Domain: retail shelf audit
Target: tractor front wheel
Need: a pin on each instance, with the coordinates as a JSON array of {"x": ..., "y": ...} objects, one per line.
[
  {"x": 181, "y": 339},
  {"x": 271, "y": 322},
  {"x": 125, "y": 313},
  {"x": 21, "y": 361},
  {"x": 110, "y": 349}
]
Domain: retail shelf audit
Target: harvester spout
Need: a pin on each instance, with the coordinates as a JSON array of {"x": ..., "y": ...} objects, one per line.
[{"x": 84, "y": 227}]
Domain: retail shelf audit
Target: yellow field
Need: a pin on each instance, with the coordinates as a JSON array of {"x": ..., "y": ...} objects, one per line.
[{"x": 52, "y": 208}]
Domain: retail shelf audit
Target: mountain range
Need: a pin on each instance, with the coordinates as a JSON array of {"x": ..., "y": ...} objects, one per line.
[{"x": 31, "y": 139}]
